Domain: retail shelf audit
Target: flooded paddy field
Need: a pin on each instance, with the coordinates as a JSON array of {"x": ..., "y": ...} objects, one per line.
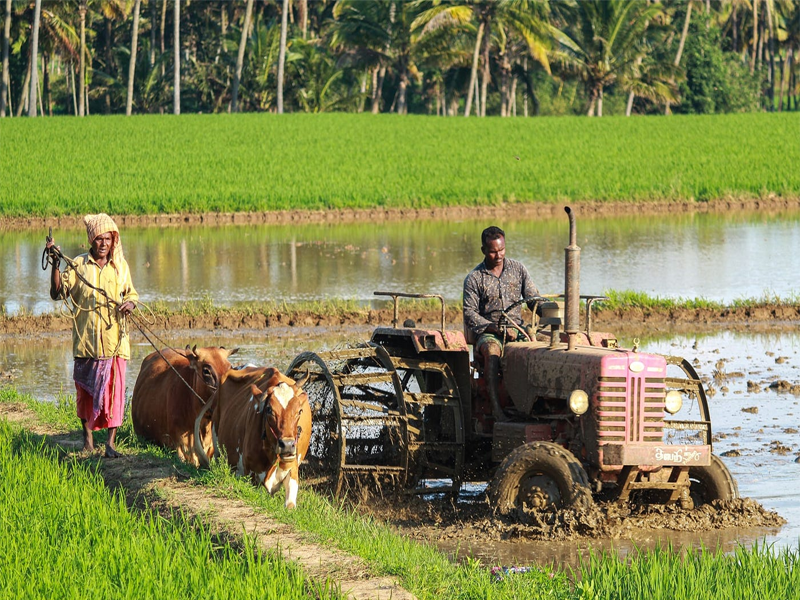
[{"x": 753, "y": 381}]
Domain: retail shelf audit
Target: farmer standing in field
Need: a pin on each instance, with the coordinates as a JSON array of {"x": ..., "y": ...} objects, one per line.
[
  {"x": 99, "y": 286},
  {"x": 493, "y": 285}
]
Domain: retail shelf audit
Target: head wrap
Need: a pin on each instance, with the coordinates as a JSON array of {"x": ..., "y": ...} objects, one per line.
[{"x": 100, "y": 224}]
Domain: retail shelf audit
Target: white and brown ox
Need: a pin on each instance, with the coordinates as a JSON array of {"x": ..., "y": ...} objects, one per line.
[
  {"x": 263, "y": 421},
  {"x": 170, "y": 392}
]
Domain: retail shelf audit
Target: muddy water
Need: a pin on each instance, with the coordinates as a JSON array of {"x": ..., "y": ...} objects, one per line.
[
  {"x": 714, "y": 256},
  {"x": 755, "y": 426}
]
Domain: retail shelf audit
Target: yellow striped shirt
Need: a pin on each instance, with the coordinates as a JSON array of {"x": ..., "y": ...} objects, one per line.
[{"x": 97, "y": 331}]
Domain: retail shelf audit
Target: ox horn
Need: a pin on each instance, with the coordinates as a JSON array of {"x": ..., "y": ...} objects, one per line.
[
  {"x": 198, "y": 445},
  {"x": 301, "y": 382}
]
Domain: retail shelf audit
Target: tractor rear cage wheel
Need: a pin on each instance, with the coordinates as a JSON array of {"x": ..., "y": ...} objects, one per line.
[{"x": 367, "y": 422}]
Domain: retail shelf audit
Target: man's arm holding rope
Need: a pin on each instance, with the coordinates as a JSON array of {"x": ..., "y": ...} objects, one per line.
[{"x": 53, "y": 256}]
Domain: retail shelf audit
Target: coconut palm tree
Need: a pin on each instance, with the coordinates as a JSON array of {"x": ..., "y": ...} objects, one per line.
[
  {"x": 525, "y": 19},
  {"x": 282, "y": 53},
  {"x": 37, "y": 16},
  {"x": 5, "y": 75},
  {"x": 132, "y": 63},
  {"x": 240, "y": 58},
  {"x": 602, "y": 41},
  {"x": 176, "y": 55}
]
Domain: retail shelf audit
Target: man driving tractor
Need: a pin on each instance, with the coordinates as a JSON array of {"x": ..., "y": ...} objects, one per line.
[{"x": 495, "y": 284}]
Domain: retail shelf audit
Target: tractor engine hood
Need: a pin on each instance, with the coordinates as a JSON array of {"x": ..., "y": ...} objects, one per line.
[{"x": 532, "y": 370}]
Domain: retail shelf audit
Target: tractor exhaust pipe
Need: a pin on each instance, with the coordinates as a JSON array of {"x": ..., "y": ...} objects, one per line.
[{"x": 572, "y": 276}]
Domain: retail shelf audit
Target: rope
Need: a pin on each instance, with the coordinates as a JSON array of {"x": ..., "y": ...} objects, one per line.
[{"x": 53, "y": 256}]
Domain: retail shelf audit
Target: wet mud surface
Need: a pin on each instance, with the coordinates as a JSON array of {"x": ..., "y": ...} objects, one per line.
[
  {"x": 753, "y": 382},
  {"x": 471, "y": 523},
  {"x": 634, "y": 321}
]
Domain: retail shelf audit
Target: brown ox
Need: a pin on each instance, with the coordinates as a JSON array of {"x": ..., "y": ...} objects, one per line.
[
  {"x": 263, "y": 421},
  {"x": 167, "y": 398}
]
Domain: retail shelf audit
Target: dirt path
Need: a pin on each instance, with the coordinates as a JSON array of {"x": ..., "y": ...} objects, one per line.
[{"x": 166, "y": 489}]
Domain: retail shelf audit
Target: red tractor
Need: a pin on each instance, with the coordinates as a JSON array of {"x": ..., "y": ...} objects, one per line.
[{"x": 585, "y": 417}]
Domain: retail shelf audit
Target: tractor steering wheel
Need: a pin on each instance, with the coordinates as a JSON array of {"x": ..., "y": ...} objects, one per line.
[{"x": 505, "y": 321}]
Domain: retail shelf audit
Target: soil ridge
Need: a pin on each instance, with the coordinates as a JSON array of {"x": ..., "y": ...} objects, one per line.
[
  {"x": 770, "y": 203},
  {"x": 631, "y": 321}
]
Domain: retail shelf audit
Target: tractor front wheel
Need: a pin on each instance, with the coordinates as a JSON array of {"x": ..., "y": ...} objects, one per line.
[
  {"x": 540, "y": 477},
  {"x": 713, "y": 482}
]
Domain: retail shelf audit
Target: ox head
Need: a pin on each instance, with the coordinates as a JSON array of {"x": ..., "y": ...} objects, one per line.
[
  {"x": 281, "y": 402},
  {"x": 209, "y": 364}
]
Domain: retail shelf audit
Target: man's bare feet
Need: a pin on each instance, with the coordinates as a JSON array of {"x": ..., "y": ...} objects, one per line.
[{"x": 111, "y": 452}]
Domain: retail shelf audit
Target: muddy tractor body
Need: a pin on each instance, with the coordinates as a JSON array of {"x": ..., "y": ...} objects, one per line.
[{"x": 584, "y": 418}]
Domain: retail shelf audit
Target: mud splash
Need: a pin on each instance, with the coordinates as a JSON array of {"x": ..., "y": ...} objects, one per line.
[{"x": 438, "y": 520}]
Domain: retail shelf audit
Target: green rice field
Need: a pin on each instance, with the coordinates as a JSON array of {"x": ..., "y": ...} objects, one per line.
[
  {"x": 261, "y": 162},
  {"x": 63, "y": 532}
]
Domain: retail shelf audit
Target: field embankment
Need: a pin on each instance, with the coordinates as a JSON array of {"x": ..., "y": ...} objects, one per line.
[
  {"x": 632, "y": 314},
  {"x": 256, "y": 163}
]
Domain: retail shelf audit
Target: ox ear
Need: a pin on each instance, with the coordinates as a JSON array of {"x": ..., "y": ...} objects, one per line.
[
  {"x": 230, "y": 352},
  {"x": 191, "y": 352},
  {"x": 261, "y": 398}
]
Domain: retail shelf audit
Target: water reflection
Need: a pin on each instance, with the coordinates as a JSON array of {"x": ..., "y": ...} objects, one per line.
[{"x": 717, "y": 257}]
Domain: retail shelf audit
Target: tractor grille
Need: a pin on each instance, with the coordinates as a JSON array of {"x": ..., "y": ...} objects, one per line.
[{"x": 630, "y": 409}]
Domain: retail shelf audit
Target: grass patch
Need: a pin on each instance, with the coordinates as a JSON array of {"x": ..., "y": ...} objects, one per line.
[
  {"x": 151, "y": 164},
  {"x": 57, "y": 502},
  {"x": 63, "y": 532},
  {"x": 667, "y": 574}
]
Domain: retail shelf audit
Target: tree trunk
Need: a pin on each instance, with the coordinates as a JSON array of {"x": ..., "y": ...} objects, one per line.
[
  {"x": 303, "y": 8},
  {"x": 477, "y": 98},
  {"x": 474, "y": 73},
  {"x": 161, "y": 36},
  {"x": 513, "y": 96},
  {"x": 681, "y": 44},
  {"x": 109, "y": 62},
  {"x": 82, "y": 62},
  {"x": 282, "y": 53},
  {"x": 505, "y": 85},
  {"x": 132, "y": 65},
  {"x": 46, "y": 95},
  {"x": 486, "y": 75},
  {"x": 176, "y": 99},
  {"x": 402, "y": 109},
  {"x": 755, "y": 37},
  {"x": 74, "y": 88},
  {"x": 22, "y": 103},
  {"x": 37, "y": 17},
  {"x": 592, "y": 102},
  {"x": 771, "y": 53},
  {"x": 153, "y": 20},
  {"x": 377, "y": 89},
  {"x": 6, "y": 76},
  {"x": 787, "y": 67},
  {"x": 363, "y": 92},
  {"x": 600, "y": 103},
  {"x": 237, "y": 76}
]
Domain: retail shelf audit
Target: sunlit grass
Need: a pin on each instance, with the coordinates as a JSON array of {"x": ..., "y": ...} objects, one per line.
[
  {"x": 153, "y": 164},
  {"x": 63, "y": 532},
  {"x": 60, "y": 497},
  {"x": 668, "y": 574}
]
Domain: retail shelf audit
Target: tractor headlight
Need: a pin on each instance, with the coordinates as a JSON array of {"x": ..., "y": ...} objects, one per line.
[
  {"x": 579, "y": 402},
  {"x": 673, "y": 401}
]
